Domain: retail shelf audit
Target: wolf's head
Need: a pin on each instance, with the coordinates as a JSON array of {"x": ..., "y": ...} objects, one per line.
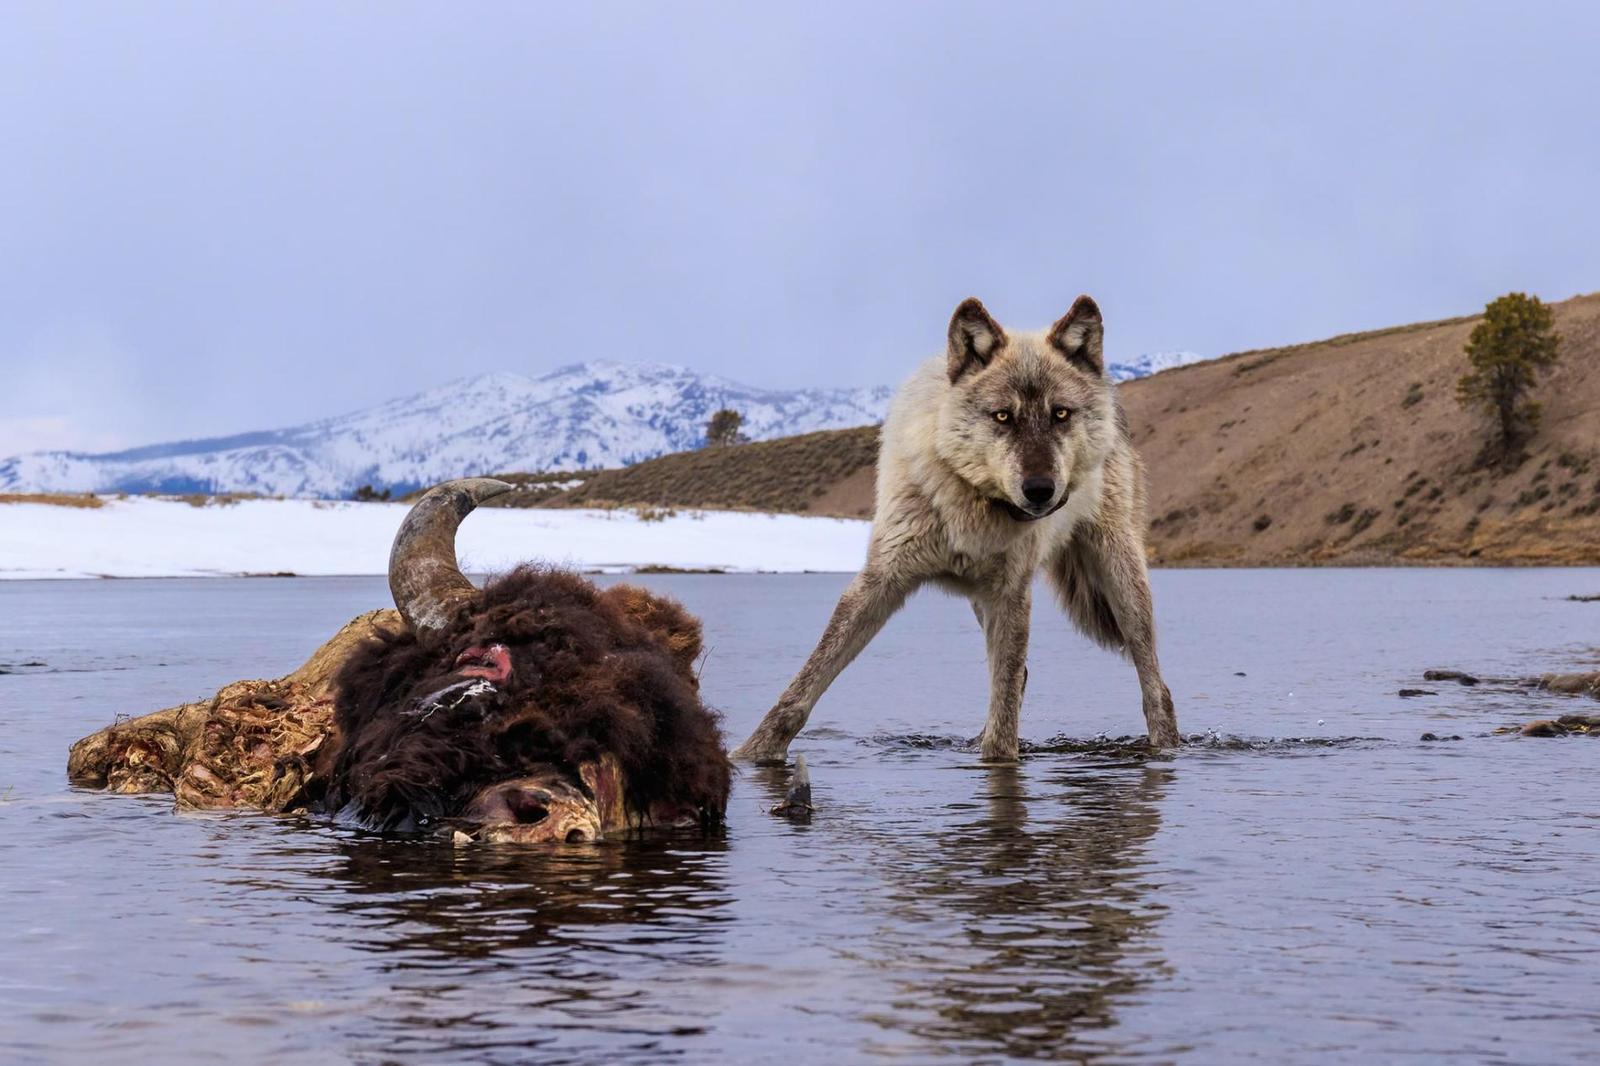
[{"x": 1028, "y": 416}]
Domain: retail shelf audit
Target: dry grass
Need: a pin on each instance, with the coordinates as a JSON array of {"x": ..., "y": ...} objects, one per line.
[
  {"x": 90, "y": 500},
  {"x": 528, "y": 490},
  {"x": 1256, "y": 358},
  {"x": 1357, "y": 449},
  {"x": 54, "y": 499},
  {"x": 213, "y": 499},
  {"x": 794, "y": 474},
  {"x": 658, "y": 568}
]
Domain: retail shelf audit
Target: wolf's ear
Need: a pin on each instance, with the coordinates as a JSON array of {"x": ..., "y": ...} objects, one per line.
[
  {"x": 1080, "y": 336},
  {"x": 974, "y": 338}
]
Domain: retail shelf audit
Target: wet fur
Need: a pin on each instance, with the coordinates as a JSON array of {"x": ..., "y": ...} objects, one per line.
[
  {"x": 592, "y": 672},
  {"x": 950, "y": 493}
]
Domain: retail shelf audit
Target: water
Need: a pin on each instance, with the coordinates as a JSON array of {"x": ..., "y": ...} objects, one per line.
[{"x": 1315, "y": 884}]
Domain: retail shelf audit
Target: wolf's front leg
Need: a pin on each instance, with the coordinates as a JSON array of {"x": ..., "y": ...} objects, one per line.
[
  {"x": 1005, "y": 619},
  {"x": 1128, "y": 590},
  {"x": 863, "y": 609},
  {"x": 1105, "y": 585}
]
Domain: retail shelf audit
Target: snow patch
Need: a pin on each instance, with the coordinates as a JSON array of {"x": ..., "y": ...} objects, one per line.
[
  {"x": 1153, "y": 363},
  {"x": 169, "y": 538}
]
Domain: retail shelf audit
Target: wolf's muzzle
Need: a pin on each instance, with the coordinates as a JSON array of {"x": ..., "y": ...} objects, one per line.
[{"x": 1022, "y": 514}]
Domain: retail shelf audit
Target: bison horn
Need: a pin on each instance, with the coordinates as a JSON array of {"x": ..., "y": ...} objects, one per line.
[{"x": 424, "y": 576}]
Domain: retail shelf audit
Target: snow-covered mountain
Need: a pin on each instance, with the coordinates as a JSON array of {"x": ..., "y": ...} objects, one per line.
[
  {"x": 596, "y": 414},
  {"x": 1154, "y": 363},
  {"x": 593, "y": 414}
]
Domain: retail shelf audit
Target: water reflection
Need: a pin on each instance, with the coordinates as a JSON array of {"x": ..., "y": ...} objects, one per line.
[
  {"x": 1027, "y": 923},
  {"x": 772, "y": 783},
  {"x": 489, "y": 954},
  {"x": 433, "y": 900}
]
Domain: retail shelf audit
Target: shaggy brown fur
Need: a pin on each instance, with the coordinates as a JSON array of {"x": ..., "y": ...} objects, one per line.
[{"x": 591, "y": 672}]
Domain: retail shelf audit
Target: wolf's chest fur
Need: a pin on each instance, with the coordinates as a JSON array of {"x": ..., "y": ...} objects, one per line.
[{"x": 982, "y": 544}]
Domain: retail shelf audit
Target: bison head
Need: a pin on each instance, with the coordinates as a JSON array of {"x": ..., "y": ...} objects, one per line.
[{"x": 536, "y": 708}]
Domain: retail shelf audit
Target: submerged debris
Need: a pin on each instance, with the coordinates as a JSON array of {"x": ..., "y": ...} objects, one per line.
[
  {"x": 1560, "y": 684},
  {"x": 797, "y": 802},
  {"x": 1572, "y": 684},
  {"x": 251, "y": 745},
  {"x": 1449, "y": 675},
  {"x": 1557, "y": 727},
  {"x": 1409, "y": 692}
]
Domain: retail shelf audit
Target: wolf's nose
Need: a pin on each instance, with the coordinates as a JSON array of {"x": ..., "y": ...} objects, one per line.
[{"x": 1038, "y": 490}]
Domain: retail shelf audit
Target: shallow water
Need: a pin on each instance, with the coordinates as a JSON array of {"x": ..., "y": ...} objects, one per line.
[{"x": 1310, "y": 883}]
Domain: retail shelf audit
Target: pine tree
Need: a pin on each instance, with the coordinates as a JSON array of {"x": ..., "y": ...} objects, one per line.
[
  {"x": 1507, "y": 350},
  {"x": 724, "y": 428}
]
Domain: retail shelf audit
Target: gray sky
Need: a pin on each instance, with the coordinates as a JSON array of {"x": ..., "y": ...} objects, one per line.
[{"x": 222, "y": 217}]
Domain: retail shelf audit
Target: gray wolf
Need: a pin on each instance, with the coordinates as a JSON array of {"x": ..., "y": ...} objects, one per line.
[{"x": 1006, "y": 455}]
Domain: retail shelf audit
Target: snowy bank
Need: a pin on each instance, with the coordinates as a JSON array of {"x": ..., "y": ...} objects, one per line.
[{"x": 141, "y": 537}]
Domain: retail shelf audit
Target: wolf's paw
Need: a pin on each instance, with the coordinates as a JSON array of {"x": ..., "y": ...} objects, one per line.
[
  {"x": 1165, "y": 737},
  {"x": 1163, "y": 729},
  {"x": 994, "y": 750},
  {"x": 1162, "y": 721}
]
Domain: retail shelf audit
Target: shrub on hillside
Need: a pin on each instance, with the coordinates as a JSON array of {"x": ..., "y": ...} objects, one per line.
[
  {"x": 724, "y": 428},
  {"x": 1507, "y": 350}
]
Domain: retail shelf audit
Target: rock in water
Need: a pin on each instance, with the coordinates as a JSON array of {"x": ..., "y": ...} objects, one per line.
[
  {"x": 1543, "y": 727},
  {"x": 1572, "y": 684}
]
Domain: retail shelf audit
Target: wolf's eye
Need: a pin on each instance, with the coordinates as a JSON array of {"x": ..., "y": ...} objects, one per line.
[
  {"x": 1002, "y": 416},
  {"x": 1061, "y": 414}
]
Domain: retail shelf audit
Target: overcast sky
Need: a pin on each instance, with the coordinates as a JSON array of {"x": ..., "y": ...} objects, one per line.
[{"x": 222, "y": 217}]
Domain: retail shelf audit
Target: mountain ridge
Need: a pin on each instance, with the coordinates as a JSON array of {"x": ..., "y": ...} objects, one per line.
[{"x": 584, "y": 415}]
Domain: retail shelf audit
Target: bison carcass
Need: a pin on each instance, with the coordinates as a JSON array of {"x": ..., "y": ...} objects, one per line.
[{"x": 536, "y": 708}]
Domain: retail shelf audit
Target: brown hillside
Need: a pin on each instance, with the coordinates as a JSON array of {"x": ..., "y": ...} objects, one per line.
[
  {"x": 1354, "y": 450},
  {"x": 825, "y": 473}
]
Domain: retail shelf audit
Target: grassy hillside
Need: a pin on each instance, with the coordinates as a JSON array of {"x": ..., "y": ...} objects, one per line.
[
  {"x": 826, "y": 473},
  {"x": 1354, "y": 450}
]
